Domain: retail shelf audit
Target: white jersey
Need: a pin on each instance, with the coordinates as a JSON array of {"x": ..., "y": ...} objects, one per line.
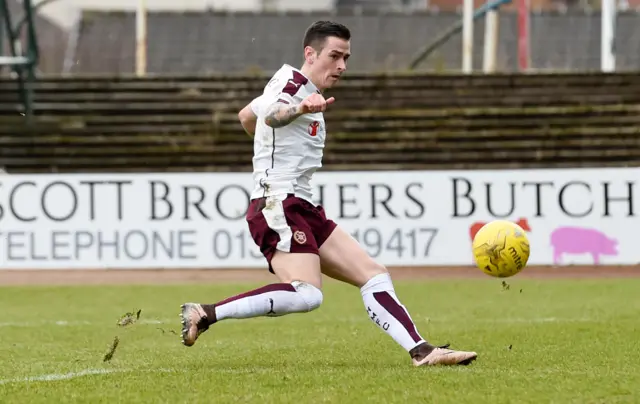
[{"x": 284, "y": 159}]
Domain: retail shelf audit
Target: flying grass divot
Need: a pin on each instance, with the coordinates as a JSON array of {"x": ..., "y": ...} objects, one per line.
[
  {"x": 125, "y": 320},
  {"x": 112, "y": 350},
  {"x": 128, "y": 318}
]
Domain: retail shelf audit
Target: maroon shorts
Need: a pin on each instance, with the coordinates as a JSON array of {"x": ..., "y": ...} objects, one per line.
[{"x": 287, "y": 223}]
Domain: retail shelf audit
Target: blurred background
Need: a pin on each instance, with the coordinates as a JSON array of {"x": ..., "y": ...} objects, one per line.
[
  {"x": 90, "y": 85},
  {"x": 153, "y": 86},
  {"x": 218, "y": 36}
]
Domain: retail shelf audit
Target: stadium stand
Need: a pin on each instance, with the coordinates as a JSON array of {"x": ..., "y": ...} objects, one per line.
[{"x": 92, "y": 124}]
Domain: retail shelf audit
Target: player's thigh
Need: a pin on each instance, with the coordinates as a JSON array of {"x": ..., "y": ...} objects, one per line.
[
  {"x": 297, "y": 266},
  {"x": 343, "y": 258},
  {"x": 278, "y": 226}
]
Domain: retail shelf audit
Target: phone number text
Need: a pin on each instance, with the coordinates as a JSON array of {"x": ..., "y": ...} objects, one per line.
[{"x": 402, "y": 243}]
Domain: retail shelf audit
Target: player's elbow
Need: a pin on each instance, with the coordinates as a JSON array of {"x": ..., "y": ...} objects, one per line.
[
  {"x": 273, "y": 120},
  {"x": 248, "y": 120},
  {"x": 246, "y": 115},
  {"x": 270, "y": 122},
  {"x": 276, "y": 116},
  {"x": 243, "y": 119}
]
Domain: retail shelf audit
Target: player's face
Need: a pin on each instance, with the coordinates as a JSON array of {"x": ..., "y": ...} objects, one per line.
[{"x": 328, "y": 65}]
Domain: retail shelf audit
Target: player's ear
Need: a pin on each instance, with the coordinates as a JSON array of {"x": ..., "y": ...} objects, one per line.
[{"x": 309, "y": 54}]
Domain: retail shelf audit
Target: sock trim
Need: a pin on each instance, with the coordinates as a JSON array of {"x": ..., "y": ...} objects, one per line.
[
  {"x": 390, "y": 304},
  {"x": 379, "y": 283},
  {"x": 274, "y": 287}
]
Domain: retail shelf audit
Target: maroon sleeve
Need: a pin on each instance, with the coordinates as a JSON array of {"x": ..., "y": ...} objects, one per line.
[
  {"x": 279, "y": 90},
  {"x": 293, "y": 84}
]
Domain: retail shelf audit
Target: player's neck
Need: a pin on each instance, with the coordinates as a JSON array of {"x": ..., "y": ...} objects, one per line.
[{"x": 305, "y": 69}]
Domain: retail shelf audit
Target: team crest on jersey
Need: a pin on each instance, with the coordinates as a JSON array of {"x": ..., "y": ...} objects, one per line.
[
  {"x": 300, "y": 237},
  {"x": 313, "y": 128}
]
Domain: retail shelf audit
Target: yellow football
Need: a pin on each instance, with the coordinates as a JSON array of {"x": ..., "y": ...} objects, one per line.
[{"x": 501, "y": 248}]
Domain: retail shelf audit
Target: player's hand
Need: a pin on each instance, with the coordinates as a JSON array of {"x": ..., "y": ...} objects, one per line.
[{"x": 315, "y": 103}]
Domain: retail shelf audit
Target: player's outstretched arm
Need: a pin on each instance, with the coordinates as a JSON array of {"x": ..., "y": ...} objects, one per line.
[{"x": 279, "y": 114}]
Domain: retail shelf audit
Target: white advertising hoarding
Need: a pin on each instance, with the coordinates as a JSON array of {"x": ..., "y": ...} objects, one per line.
[{"x": 412, "y": 218}]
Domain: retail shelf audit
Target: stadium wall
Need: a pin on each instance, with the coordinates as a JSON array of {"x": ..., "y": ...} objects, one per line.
[
  {"x": 197, "y": 42},
  {"x": 65, "y": 12}
]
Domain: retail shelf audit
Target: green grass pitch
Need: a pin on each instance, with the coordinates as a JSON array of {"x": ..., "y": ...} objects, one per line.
[{"x": 540, "y": 341}]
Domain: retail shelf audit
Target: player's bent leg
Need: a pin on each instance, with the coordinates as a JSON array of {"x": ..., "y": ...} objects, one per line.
[
  {"x": 299, "y": 291},
  {"x": 290, "y": 248},
  {"x": 303, "y": 267},
  {"x": 344, "y": 259}
]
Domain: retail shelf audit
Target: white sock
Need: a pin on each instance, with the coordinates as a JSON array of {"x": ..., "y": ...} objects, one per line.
[
  {"x": 271, "y": 300},
  {"x": 386, "y": 311}
]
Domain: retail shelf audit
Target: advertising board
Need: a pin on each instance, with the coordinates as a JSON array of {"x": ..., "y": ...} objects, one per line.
[{"x": 402, "y": 218}]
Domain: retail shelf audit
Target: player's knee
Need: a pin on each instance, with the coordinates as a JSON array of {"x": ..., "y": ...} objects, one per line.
[
  {"x": 375, "y": 268},
  {"x": 379, "y": 268},
  {"x": 309, "y": 293},
  {"x": 369, "y": 267},
  {"x": 373, "y": 271}
]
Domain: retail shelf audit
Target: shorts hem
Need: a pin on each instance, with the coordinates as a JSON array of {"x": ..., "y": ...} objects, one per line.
[
  {"x": 325, "y": 236},
  {"x": 309, "y": 250}
]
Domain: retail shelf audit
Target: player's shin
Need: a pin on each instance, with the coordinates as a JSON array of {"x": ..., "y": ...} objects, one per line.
[
  {"x": 272, "y": 300},
  {"x": 386, "y": 311}
]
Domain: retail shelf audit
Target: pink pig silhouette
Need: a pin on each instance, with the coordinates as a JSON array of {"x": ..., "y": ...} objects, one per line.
[{"x": 577, "y": 240}]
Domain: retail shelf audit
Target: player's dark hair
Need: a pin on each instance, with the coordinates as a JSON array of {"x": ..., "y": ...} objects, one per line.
[{"x": 319, "y": 31}]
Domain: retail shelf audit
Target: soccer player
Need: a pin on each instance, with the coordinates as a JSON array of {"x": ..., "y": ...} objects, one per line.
[{"x": 298, "y": 241}]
